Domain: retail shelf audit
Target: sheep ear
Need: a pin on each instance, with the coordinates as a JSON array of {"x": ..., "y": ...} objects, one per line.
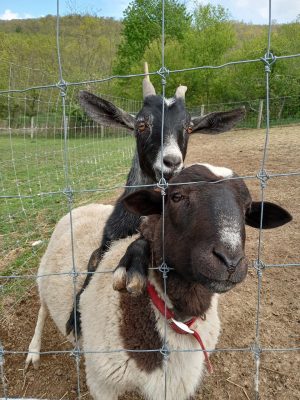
[
  {"x": 104, "y": 112},
  {"x": 218, "y": 122},
  {"x": 143, "y": 202},
  {"x": 273, "y": 217}
]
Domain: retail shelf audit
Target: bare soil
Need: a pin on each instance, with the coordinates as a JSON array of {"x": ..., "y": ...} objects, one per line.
[{"x": 279, "y": 317}]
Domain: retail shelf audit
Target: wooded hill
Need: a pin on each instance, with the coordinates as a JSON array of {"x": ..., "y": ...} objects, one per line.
[{"x": 89, "y": 48}]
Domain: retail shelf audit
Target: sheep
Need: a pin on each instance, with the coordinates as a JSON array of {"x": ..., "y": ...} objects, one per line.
[
  {"x": 146, "y": 166},
  {"x": 207, "y": 222}
]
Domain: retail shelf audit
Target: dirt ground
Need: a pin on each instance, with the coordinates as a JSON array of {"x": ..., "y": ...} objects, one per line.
[{"x": 233, "y": 378}]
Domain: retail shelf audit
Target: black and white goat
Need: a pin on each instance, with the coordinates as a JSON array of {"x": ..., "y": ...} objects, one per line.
[
  {"x": 149, "y": 161},
  {"x": 204, "y": 249}
]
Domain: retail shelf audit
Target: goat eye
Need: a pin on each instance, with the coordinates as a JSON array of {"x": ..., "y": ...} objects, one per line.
[
  {"x": 141, "y": 126},
  {"x": 176, "y": 197}
]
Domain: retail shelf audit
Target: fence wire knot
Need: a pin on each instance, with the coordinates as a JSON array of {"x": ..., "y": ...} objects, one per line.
[
  {"x": 163, "y": 72},
  {"x": 263, "y": 176},
  {"x": 68, "y": 192},
  {"x": 74, "y": 274},
  {"x": 164, "y": 269},
  {"x": 259, "y": 266},
  {"x": 162, "y": 185},
  {"x": 268, "y": 59},
  {"x": 62, "y": 86},
  {"x": 165, "y": 352},
  {"x": 75, "y": 353},
  {"x": 256, "y": 350}
]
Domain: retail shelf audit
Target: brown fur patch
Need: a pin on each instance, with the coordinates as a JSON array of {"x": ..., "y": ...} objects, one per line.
[
  {"x": 188, "y": 298},
  {"x": 138, "y": 331}
]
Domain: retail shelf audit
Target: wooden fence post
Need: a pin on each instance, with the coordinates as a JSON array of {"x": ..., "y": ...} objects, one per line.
[
  {"x": 260, "y": 111},
  {"x": 101, "y": 131},
  {"x": 281, "y": 108},
  {"x": 202, "y": 110},
  {"x": 31, "y": 128}
]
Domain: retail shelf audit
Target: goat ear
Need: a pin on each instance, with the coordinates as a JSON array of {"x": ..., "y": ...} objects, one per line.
[
  {"x": 143, "y": 202},
  {"x": 218, "y": 122},
  {"x": 273, "y": 217},
  {"x": 104, "y": 112}
]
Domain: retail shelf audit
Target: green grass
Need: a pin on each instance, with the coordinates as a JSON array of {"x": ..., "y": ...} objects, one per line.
[{"x": 36, "y": 168}]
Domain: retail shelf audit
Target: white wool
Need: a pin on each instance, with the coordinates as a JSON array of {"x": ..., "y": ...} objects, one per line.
[
  {"x": 57, "y": 291},
  {"x": 109, "y": 374}
]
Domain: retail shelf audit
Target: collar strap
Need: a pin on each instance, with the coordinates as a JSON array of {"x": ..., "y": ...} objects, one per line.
[{"x": 177, "y": 326}]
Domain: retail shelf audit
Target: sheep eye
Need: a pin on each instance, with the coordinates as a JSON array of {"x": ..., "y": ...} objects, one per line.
[
  {"x": 141, "y": 126},
  {"x": 176, "y": 197}
]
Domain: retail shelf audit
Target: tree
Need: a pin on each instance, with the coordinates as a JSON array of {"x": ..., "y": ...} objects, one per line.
[
  {"x": 142, "y": 25},
  {"x": 208, "y": 15},
  {"x": 208, "y": 42}
]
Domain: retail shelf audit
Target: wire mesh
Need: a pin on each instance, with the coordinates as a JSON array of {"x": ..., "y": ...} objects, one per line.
[{"x": 65, "y": 182}]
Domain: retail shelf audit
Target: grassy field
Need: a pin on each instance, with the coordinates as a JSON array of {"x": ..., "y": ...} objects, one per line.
[
  {"x": 97, "y": 163},
  {"x": 35, "y": 170}
]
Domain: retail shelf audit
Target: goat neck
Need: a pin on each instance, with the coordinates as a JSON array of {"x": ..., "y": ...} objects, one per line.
[{"x": 136, "y": 176}]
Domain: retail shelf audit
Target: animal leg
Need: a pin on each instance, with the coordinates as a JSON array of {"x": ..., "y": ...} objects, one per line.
[
  {"x": 35, "y": 344},
  {"x": 131, "y": 273},
  {"x": 101, "y": 391},
  {"x": 93, "y": 263}
]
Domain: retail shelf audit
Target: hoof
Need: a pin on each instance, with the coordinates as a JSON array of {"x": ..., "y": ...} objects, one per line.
[
  {"x": 136, "y": 283},
  {"x": 119, "y": 279},
  {"x": 34, "y": 359}
]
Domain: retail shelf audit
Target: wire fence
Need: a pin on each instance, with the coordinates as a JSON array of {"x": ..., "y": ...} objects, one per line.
[
  {"x": 35, "y": 116},
  {"x": 58, "y": 118}
]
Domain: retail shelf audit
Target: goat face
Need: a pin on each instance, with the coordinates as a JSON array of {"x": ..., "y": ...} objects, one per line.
[
  {"x": 153, "y": 160},
  {"x": 205, "y": 224},
  {"x": 147, "y": 126}
]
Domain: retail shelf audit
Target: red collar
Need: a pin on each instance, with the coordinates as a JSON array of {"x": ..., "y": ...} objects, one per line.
[{"x": 179, "y": 327}]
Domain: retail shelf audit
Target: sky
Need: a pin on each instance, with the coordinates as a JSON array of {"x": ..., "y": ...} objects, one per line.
[{"x": 250, "y": 11}]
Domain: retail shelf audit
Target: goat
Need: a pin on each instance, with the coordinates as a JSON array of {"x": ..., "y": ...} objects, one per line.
[
  {"x": 204, "y": 250},
  {"x": 146, "y": 166}
]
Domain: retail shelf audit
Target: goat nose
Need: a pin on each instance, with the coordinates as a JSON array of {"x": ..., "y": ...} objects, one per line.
[
  {"x": 231, "y": 261},
  {"x": 172, "y": 161}
]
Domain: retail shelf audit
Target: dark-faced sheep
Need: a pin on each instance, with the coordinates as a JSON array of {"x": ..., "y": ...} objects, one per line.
[
  {"x": 204, "y": 250},
  {"x": 149, "y": 162}
]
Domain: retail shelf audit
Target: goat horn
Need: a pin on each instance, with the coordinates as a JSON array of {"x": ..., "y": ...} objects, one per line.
[
  {"x": 148, "y": 88},
  {"x": 180, "y": 92}
]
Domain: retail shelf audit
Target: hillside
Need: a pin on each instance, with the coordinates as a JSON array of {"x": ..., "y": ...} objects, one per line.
[{"x": 89, "y": 46}]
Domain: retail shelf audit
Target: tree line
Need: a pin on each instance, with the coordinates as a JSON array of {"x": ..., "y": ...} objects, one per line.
[{"x": 94, "y": 47}]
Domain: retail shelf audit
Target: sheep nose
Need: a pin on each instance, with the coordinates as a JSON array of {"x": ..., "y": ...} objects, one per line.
[
  {"x": 172, "y": 161},
  {"x": 231, "y": 261}
]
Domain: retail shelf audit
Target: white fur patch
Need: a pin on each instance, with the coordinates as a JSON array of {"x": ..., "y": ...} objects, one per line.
[
  {"x": 170, "y": 101},
  {"x": 222, "y": 172},
  {"x": 170, "y": 148},
  {"x": 230, "y": 233}
]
